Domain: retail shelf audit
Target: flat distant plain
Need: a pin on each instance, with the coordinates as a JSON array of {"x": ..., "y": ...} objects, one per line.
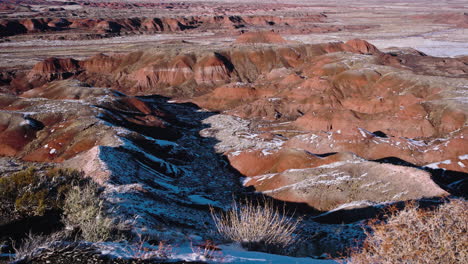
[{"x": 438, "y": 28}]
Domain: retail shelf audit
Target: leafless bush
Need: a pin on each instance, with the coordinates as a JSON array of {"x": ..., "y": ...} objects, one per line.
[
  {"x": 34, "y": 245},
  {"x": 46, "y": 249},
  {"x": 85, "y": 210},
  {"x": 207, "y": 252},
  {"x": 141, "y": 250},
  {"x": 256, "y": 226},
  {"x": 417, "y": 236}
]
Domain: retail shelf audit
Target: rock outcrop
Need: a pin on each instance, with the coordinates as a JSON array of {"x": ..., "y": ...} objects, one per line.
[{"x": 347, "y": 184}]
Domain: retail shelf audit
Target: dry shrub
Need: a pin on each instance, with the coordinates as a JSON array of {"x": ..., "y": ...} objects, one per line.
[
  {"x": 85, "y": 210},
  {"x": 417, "y": 236},
  {"x": 207, "y": 252},
  {"x": 141, "y": 250},
  {"x": 34, "y": 245},
  {"x": 44, "y": 248},
  {"x": 257, "y": 226}
]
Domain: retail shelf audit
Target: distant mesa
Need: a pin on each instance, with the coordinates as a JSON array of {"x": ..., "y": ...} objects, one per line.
[{"x": 260, "y": 37}]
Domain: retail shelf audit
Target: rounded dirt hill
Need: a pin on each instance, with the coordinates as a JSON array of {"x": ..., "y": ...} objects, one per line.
[{"x": 260, "y": 37}]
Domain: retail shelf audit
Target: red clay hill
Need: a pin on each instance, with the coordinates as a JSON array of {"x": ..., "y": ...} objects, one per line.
[{"x": 260, "y": 37}]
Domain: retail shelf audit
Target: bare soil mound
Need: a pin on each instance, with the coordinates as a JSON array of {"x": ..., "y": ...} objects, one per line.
[{"x": 260, "y": 37}]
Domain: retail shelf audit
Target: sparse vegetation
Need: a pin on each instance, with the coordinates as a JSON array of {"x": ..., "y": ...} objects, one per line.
[
  {"x": 418, "y": 236},
  {"x": 34, "y": 245},
  {"x": 36, "y": 191},
  {"x": 208, "y": 251},
  {"x": 54, "y": 248},
  {"x": 142, "y": 250},
  {"x": 33, "y": 191},
  {"x": 257, "y": 226},
  {"x": 84, "y": 209}
]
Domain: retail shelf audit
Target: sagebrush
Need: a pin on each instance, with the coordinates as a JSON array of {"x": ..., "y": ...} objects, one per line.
[
  {"x": 84, "y": 209},
  {"x": 418, "y": 236},
  {"x": 259, "y": 226}
]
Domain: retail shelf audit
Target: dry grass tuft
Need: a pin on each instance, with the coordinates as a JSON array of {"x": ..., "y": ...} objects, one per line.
[
  {"x": 418, "y": 236},
  {"x": 257, "y": 226}
]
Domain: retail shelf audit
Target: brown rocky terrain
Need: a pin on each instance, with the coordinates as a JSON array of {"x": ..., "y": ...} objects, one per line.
[
  {"x": 10, "y": 27},
  {"x": 216, "y": 101}
]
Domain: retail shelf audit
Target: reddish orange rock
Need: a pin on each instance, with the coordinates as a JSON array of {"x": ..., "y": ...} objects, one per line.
[
  {"x": 260, "y": 37},
  {"x": 362, "y": 46}
]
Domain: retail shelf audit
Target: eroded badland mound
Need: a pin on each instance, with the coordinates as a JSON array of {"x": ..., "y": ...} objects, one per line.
[
  {"x": 260, "y": 37},
  {"x": 320, "y": 99}
]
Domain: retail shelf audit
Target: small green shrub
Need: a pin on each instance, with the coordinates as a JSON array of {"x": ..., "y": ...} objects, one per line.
[
  {"x": 10, "y": 185},
  {"x": 33, "y": 191},
  {"x": 32, "y": 201}
]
